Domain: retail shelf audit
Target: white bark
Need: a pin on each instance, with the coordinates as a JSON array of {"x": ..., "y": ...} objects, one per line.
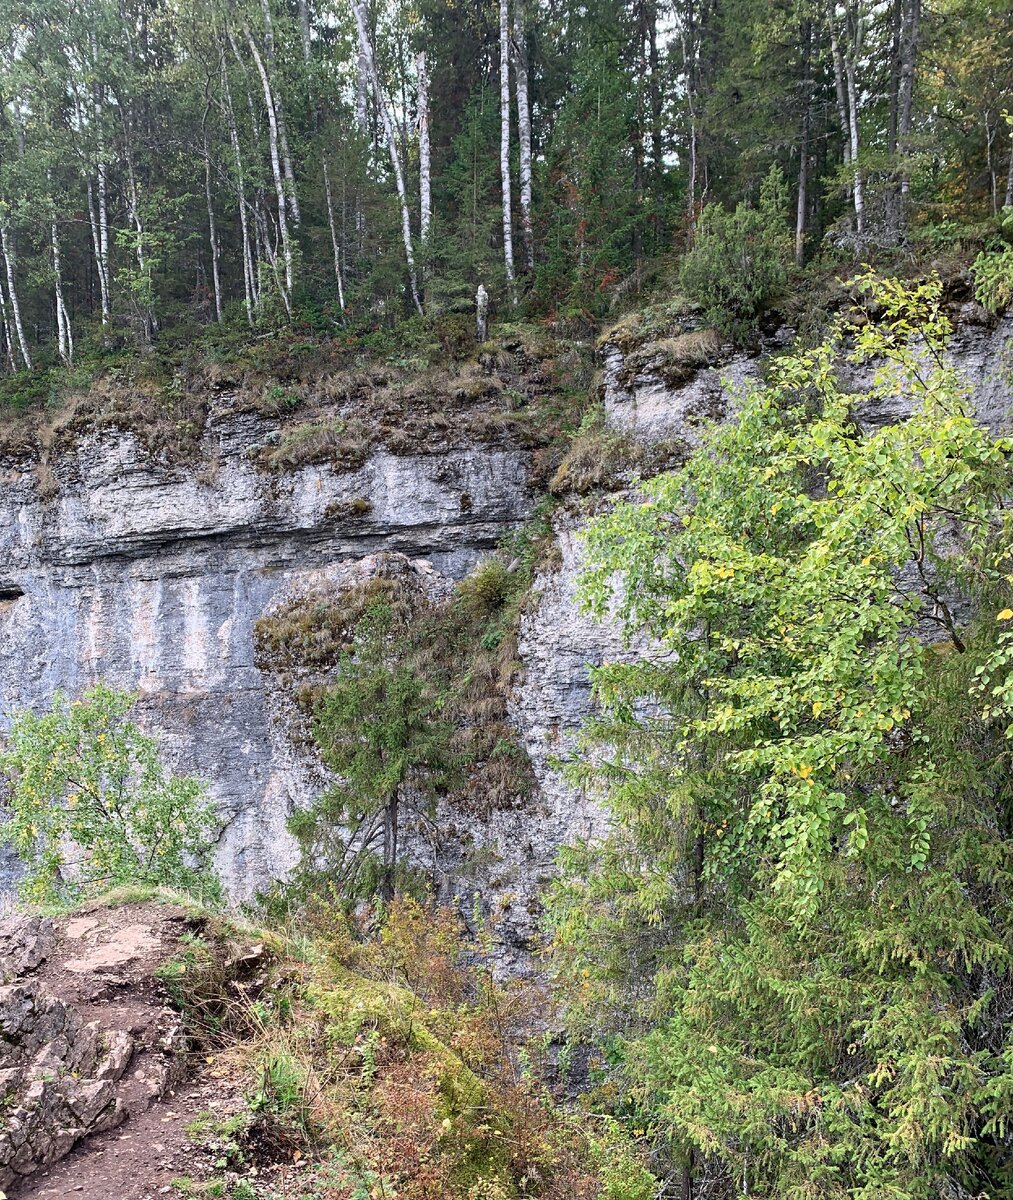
[
  {"x": 361, "y": 92},
  {"x": 276, "y": 167},
  {"x": 524, "y": 133},
  {"x": 908, "y": 57},
  {"x": 249, "y": 276},
  {"x": 1009, "y": 176},
  {"x": 279, "y": 112},
  {"x": 481, "y": 313},
  {"x": 335, "y": 244},
  {"x": 102, "y": 176},
  {"x": 304, "y": 30},
  {"x": 64, "y": 334},
  {"x": 504, "y": 142},
  {"x": 212, "y": 232},
  {"x": 425, "y": 156},
  {"x": 8, "y": 329},
  {"x": 7, "y": 249},
  {"x": 366, "y": 51},
  {"x": 847, "y": 90}
]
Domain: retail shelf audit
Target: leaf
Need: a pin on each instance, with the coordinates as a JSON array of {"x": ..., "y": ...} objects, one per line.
[{"x": 1005, "y": 615}]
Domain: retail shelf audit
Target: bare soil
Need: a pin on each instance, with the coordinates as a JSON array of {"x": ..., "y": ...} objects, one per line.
[{"x": 104, "y": 963}]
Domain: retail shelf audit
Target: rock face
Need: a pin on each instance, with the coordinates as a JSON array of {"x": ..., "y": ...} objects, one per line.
[
  {"x": 151, "y": 578},
  {"x": 58, "y": 1074},
  {"x": 640, "y": 400}
]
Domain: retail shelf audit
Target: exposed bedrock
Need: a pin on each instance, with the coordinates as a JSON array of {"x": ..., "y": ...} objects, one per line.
[{"x": 151, "y": 577}]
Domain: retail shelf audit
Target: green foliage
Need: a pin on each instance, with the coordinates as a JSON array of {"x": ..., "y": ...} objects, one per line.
[
  {"x": 795, "y": 943},
  {"x": 738, "y": 261},
  {"x": 382, "y": 726},
  {"x": 91, "y": 807},
  {"x": 993, "y": 279}
]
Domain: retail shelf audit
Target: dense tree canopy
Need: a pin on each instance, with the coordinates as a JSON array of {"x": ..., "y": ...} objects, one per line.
[{"x": 161, "y": 160}]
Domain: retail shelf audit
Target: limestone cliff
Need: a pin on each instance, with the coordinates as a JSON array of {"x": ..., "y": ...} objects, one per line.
[{"x": 152, "y": 576}]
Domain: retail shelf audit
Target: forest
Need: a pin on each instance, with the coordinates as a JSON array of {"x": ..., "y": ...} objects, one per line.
[
  {"x": 164, "y": 164},
  {"x": 260, "y": 245}
]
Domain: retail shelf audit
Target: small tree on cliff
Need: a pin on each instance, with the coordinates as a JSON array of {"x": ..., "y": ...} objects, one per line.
[
  {"x": 92, "y": 808},
  {"x": 382, "y": 726}
]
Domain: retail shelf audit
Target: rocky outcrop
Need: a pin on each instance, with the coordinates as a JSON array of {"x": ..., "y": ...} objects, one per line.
[
  {"x": 151, "y": 577},
  {"x": 651, "y": 397},
  {"x": 58, "y": 1074}
]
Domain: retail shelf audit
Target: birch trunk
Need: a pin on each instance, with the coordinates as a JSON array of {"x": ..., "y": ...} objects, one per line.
[
  {"x": 279, "y": 111},
  {"x": 1009, "y": 176},
  {"x": 304, "y": 30},
  {"x": 857, "y": 183},
  {"x": 276, "y": 168},
  {"x": 7, "y": 249},
  {"x": 425, "y": 157},
  {"x": 212, "y": 233},
  {"x": 910, "y": 33},
  {"x": 524, "y": 133},
  {"x": 249, "y": 278},
  {"x": 847, "y": 94},
  {"x": 366, "y": 51},
  {"x": 64, "y": 334},
  {"x": 8, "y": 330},
  {"x": 335, "y": 244},
  {"x": 100, "y": 220},
  {"x": 504, "y": 142},
  {"x": 801, "y": 210}
]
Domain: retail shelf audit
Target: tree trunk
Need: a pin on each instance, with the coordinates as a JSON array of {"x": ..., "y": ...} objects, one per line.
[
  {"x": 687, "y": 35},
  {"x": 212, "y": 233},
  {"x": 304, "y": 30},
  {"x": 8, "y": 332},
  {"x": 102, "y": 176},
  {"x": 279, "y": 113},
  {"x": 1009, "y": 176},
  {"x": 249, "y": 277},
  {"x": 277, "y": 170},
  {"x": 801, "y": 208},
  {"x": 910, "y": 34},
  {"x": 504, "y": 142},
  {"x": 425, "y": 157},
  {"x": 847, "y": 93},
  {"x": 335, "y": 244},
  {"x": 520, "y": 48},
  {"x": 366, "y": 50},
  {"x": 7, "y": 249},
  {"x": 390, "y": 846},
  {"x": 64, "y": 334}
]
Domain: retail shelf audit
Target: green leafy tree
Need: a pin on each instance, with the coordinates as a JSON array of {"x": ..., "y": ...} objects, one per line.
[
  {"x": 90, "y": 806},
  {"x": 383, "y": 727},
  {"x": 798, "y": 936},
  {"x": 739, "y": 260}
]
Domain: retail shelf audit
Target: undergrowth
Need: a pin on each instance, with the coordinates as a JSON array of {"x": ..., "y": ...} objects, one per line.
[{"x": 389, "y": 1062}]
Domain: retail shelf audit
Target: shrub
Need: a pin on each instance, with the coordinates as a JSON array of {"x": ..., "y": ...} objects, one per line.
[
  {"x": 91, "y": 807},
  {"x": 993, "y": 279},
  {"x": 739, "y": 260}
]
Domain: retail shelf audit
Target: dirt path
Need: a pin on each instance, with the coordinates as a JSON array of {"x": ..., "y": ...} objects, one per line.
[{"x": 103, "y": 963}]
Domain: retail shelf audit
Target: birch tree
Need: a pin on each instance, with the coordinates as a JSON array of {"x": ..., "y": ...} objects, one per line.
[
  {"x": 368, "y": 60},
  {"x": 504, "y": 142},
  {"x": 520, "y": 57}
]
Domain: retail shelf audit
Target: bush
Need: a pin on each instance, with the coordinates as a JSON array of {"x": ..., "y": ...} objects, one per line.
[
  {"x": 993, "y": 280},
  {"x": 739, "y": 260},
  {"x": 91, "y": 807}
]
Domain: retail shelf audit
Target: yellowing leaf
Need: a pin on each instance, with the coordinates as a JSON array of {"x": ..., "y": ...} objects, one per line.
[{"x": 1005, "y": 615}]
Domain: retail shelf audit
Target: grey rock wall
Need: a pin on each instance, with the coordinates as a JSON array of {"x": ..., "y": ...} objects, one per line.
[{"x": 152, "y": 577}]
